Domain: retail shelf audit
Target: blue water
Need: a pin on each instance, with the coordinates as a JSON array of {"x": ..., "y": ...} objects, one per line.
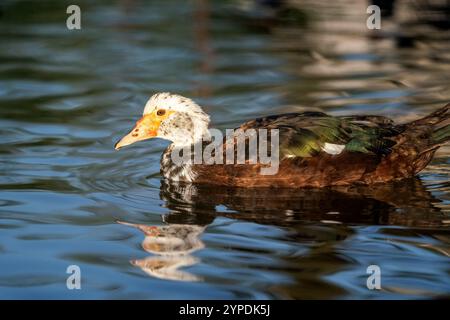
[{"x": 67, "y": 198}]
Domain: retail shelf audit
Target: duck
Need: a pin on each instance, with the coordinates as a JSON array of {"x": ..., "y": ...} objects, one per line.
[{"x": 313, "y": 149}]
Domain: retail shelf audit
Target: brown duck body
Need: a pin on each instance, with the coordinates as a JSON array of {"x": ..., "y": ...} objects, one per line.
[
  {"x": 376, "y": 151},
  {"x": 324, "y": 170}
]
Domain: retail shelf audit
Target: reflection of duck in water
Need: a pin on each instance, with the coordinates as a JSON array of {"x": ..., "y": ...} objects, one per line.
[
  {"x": 314, "y": 149},
  {"x": 318, "y": 220},
  {"x": 400, "y": 203},
  {"x": 319, "y": 225},
  {"x": 172, "y": 245}
]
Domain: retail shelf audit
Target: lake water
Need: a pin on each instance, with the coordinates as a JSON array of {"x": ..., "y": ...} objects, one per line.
[{"x": 67, "y": 198}]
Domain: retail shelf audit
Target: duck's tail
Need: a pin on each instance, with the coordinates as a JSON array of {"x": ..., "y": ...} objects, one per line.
[{"x": 439, "y": 121}]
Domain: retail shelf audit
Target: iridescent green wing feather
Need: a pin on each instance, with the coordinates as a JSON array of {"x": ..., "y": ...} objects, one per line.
[
  {"x": 371, "y": 134},
  {"x": 306, "y": 134}
]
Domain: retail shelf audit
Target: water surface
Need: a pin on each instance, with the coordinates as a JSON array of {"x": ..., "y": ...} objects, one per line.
[{"x": 67, "y": 198}]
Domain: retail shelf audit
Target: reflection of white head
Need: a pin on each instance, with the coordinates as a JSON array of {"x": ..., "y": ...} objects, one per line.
[
  {"x": 173, "y": 245},
  {"x": 174, "y": 239},
  {"x": 171, "y": 239},
  {"x": 166, "y": 267}
]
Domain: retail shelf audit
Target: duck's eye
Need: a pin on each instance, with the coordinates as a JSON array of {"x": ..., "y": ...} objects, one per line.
[{"x": 161, "y": 112}]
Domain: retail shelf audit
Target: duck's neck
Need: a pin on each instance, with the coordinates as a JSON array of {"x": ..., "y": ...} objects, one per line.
[
  {"x": 178, "y": 158},
  {"x": 174, "y": 164},
  {"x": 175, "y": 170}
]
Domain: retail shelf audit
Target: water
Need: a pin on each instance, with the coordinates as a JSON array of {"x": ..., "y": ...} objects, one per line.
[{"x": 67, "y": 198}]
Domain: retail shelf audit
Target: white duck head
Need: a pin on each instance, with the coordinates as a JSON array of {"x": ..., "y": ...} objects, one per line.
[{"x": 171, "y": 117}]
